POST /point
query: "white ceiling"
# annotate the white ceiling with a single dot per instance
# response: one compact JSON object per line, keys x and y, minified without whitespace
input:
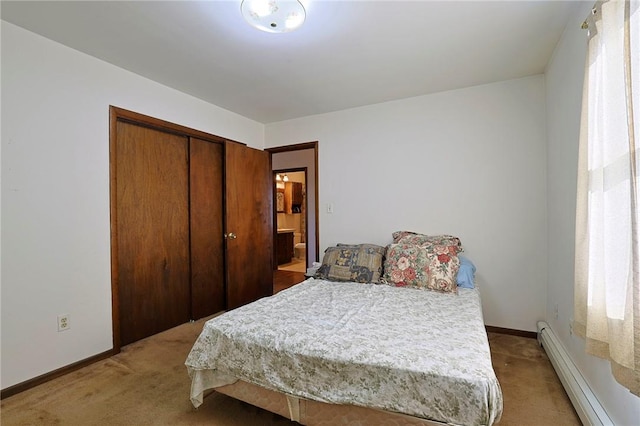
{"x":347,"y":54}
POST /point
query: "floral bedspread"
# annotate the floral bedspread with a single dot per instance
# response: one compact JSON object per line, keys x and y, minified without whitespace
{"x":412,"y":351}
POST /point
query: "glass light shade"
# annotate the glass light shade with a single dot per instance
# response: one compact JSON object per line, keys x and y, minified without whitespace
{"x":273,"y":16}
{"x":285,"y":178}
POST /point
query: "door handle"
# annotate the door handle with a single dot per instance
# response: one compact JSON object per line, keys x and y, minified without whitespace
{"x":230,"y":236}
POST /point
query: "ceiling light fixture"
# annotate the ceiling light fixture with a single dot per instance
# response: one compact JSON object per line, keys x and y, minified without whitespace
{"x":273,"y":16}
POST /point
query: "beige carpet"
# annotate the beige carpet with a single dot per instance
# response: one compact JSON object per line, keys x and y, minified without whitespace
{"x":532,"y":392}
{"x":147,"y":384}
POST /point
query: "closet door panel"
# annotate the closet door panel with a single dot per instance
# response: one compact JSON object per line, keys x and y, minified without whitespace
{"x":207,"y":241}
{"x":152,"y":231}
{"x":249,"y":217}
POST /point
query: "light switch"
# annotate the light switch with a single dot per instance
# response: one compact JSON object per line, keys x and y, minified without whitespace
{"x":330,"y":208}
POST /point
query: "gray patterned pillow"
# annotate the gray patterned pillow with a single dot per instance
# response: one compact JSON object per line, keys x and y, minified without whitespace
{"x":360,"y":263}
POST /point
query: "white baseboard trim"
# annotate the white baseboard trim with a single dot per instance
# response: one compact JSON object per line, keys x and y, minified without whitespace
{"x":584,"y":400}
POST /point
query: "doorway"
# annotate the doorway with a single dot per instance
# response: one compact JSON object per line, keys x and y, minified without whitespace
{"x":291,"y":219}
{"x":299,"y":158}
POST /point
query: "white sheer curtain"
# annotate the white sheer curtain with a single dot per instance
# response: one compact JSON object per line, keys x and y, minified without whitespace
{"x":607,"y":265}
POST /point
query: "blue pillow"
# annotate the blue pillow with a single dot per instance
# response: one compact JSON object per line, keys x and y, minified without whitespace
{"x":465,"y":277}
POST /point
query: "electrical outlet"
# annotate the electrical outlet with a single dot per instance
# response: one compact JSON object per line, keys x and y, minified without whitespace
{"x":555,"y":311}
{"x":571,"y":327}
{"x":63,"y":322}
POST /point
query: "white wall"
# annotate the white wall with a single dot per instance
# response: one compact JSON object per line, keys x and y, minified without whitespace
{"x":564,"y":79}
{"x":55,"y":193}
{"x":469,"y":162}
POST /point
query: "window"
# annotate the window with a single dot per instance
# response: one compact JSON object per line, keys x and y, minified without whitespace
{"x":607,"y":266}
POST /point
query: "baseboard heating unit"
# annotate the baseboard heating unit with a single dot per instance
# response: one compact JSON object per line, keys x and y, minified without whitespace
{"x":584,"y":400}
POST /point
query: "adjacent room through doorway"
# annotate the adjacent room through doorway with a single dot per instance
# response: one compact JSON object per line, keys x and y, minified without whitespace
{"x":295,"y":216}
{"x":291,"y":219}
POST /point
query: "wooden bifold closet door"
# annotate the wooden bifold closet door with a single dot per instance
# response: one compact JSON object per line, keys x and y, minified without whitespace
{"x":175,"y":194}
{"x":207,"y":243}
{"x":153,"y":231}
{"x":169,"y":229}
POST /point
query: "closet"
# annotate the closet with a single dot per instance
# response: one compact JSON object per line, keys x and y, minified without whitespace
{"x":191,"y":225}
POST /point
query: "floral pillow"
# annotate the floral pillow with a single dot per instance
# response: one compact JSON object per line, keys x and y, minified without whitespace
{"x":408,"y":237}
{"x":407,"y":265}
{"x":445,"y":264}
{"x":401,"y":234}
{"x":360,"y":263}
{"x":430,"y":268}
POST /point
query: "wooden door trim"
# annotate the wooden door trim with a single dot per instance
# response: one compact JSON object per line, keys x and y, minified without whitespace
{"x":116,"y":115}
{"x":300,"y":147}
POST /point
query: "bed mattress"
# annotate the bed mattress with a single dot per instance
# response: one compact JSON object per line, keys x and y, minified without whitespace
{"x":410,"y":351}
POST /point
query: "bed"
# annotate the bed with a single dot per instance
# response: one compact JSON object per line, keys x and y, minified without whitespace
{"x":327,"y":352}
